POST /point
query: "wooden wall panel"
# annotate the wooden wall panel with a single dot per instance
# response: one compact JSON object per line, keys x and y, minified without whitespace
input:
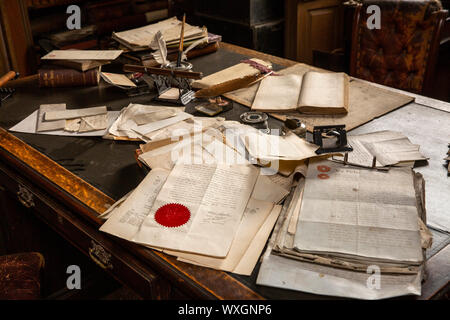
{"x":18,"y":37}
{"x":313,"y":25}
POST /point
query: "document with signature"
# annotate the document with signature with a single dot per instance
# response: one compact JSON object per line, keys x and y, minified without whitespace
{"x":203,"y":204}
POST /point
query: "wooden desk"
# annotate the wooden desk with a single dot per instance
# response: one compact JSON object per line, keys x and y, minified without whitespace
{"x":68,"y":181}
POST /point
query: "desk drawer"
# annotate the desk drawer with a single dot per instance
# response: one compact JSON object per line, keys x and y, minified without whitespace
{"x":104,"y":251}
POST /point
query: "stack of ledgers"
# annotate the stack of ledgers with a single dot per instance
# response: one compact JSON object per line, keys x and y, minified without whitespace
{"x":140,"y":39}
{"x":352,"y":232}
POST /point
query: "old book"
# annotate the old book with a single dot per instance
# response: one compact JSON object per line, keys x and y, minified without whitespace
{"x":312,"y":93}
{"x":80,"y":65}
{"x":366,"y":102}
{"x":68,"y":77}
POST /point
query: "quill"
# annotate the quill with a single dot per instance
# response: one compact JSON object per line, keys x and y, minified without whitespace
{"x":192,"y":46}
{"x":159,"y":45}
{"x":180,"y":48}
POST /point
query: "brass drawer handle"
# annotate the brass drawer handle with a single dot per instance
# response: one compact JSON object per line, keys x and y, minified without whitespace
{"x":25,"y":197}
{"x":99,"y":255}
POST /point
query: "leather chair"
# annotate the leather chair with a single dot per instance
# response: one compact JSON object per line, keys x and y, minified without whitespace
{"x":403,"y":53}
{"x":20,"y":276}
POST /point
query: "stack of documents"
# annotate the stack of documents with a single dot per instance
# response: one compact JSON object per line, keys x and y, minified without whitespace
{"x":382,"y":149}
{"x":82,"y":60}
{"x":229,"y":208}
{"x":350,"y":232}
{"x":139,"y":122}
{"x":56,"y":119}
{"x":141,"y":38}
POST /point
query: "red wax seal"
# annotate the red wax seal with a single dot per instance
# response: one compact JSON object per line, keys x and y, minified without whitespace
{"x":323,"y":168}
{"x":172,"y":215}
{"x":323,"y":176}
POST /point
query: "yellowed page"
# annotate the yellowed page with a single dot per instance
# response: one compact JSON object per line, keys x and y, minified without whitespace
{"x":237,"y":71}
{"x":117,"y":79}
{"x":278,"y":93}
{"x":322,"y":90}
{"x":124,"y":220}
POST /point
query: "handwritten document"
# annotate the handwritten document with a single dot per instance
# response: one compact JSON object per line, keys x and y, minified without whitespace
{"x":124,"y":221}
{"x":216,"y":196}
{"x":359,"y":212}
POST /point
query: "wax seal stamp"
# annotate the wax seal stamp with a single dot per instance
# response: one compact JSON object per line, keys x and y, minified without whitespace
{"x":172,"y":215}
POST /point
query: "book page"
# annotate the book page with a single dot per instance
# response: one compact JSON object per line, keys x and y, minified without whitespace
{"x":359,"y":212}
{"x":126,"y":217}
{"x":322,"y":90}
{"x":278,"y":93}
{"x":216,"y":197}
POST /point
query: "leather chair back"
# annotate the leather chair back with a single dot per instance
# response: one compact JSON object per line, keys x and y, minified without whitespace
{"x":403,"y":52}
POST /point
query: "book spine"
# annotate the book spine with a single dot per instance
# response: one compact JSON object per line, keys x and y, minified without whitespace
{"x":55,"y":78}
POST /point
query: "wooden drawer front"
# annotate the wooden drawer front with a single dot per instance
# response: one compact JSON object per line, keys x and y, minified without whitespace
{"x":104,"y":251}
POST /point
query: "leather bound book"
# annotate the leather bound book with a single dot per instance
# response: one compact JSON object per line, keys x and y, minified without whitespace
{"x":68,"y":78}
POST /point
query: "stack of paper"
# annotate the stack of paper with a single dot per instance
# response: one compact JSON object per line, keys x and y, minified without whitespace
{"x":350,"y":232}
{"x":138,"y":122}
{"x":226,"y":230}
{"x":387,"y":148}
{"x":55,"y":119}
{"x":141,"y":38}
{"x":82,"y":60}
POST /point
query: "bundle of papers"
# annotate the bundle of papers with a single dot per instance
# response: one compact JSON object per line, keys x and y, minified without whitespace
{"x":141,"y":38}
{"x":342,"y":225}
{"x":56,"y":119}
{"x":81,"y":60}
{"x":224,"y":230}
{"x":138,"y":121}
{"x":388,"y":148}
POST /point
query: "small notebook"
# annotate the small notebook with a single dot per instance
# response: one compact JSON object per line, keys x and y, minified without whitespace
{"x":312,"y":93}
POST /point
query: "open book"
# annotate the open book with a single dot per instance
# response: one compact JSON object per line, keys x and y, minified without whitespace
{"x":313,"y":93}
